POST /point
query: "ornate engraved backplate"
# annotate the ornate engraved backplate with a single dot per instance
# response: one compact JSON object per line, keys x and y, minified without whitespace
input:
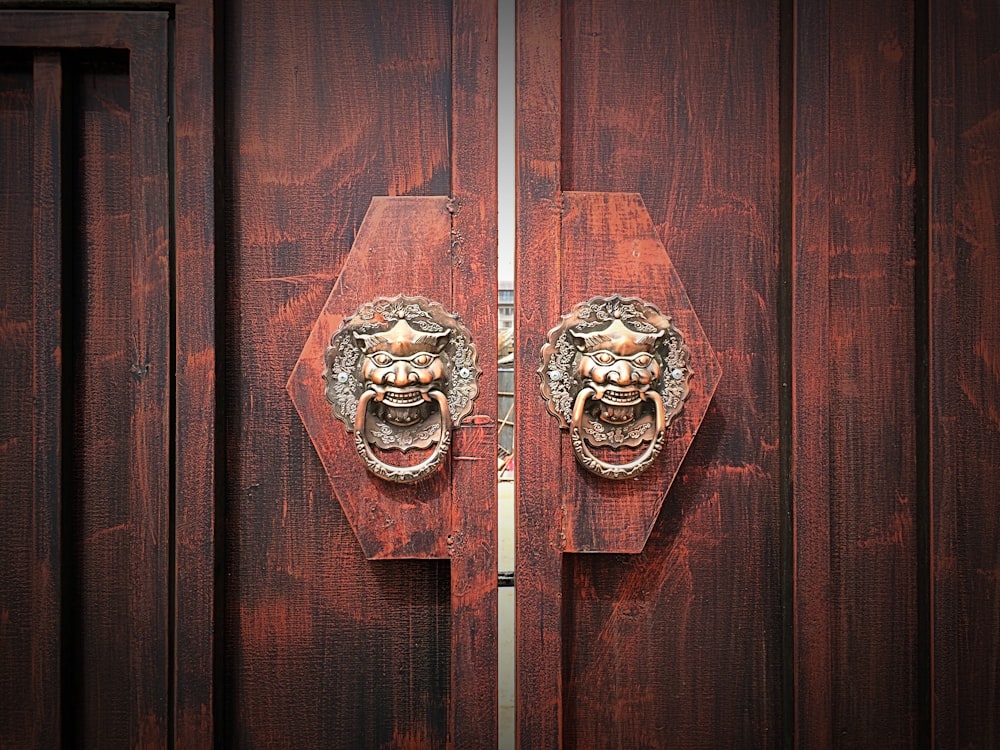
{"x":615,"y":373}
{"x":399,"y":374}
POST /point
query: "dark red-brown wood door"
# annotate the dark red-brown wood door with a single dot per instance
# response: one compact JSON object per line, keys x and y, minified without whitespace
{"x":176,"y":567}
{"x":108,"y":401}
{"x":823,"y":571}
{"x":327,"y":106}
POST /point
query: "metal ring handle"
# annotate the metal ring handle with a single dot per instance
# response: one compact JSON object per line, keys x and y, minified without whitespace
{"x":402,"y":474}
{"x":616,"y":471}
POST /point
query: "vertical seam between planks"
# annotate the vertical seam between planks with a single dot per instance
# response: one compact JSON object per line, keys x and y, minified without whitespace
{"x":223,"y":229}
{"x":922,"y":344}
{"x":172,"y":360}
{"x":70,"y":656}
{"x":786,"y":489}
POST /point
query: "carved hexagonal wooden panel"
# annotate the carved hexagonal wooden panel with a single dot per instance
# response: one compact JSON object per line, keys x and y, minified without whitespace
{"x":403,"y":247}
{"x":610,"y":250}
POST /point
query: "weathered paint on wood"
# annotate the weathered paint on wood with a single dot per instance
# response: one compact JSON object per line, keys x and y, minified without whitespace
{"x":473,"y":534}
{"x":307,"y":144}
{"x":964,"y":371}
{"x":118,"y":492}
{"x":812,"y":642}
{"x":30,"y":384}
{"x":103,"y":499}
{"x":401,"y":246}
{"x":854,"y":336}
{"x":608,"y":247}
{"x":538,"y":443}
{"x":679,"y":645}
{"x":197,"y":501}
{"x":403,"y":112}
{"x":893,"y":630}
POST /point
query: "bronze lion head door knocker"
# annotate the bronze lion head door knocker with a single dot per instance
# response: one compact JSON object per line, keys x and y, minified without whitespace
{"x":615,"y":373}
{"x":400,"y":373}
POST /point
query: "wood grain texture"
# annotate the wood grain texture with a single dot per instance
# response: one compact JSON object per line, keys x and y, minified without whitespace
{"x":812,"y":639}
{"x":118,"y":490}
{"x":117,"y":524}
{"x":30,"y":384}
{"x":151,"y":365}
{"x":473,"y":532}
{"x":196,"y":497}
{"x":965,"y":371}
{"x":538,"y":444}
{"x":854,"y":338}
{"x":327,"y":105}
{"x":72,"y":29}
{"x":680,"y":646}
{"x":47,"y":386}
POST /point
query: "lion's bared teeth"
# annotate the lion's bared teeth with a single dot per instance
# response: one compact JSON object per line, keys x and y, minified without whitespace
{"x":620,"y":398}
{"x":409,"y":398}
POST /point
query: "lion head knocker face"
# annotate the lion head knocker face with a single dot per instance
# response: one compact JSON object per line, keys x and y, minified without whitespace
{"x":402,"y":366}
{"x":620,"y":366}
{"x":615,"y":373}
{"x":400,"y":373}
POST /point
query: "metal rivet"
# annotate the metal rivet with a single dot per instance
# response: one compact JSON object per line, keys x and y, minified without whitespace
{"x":465,"y":372}
{"x":342,"y":377}
{"x":677,"y":373}
{"x":555,"y":375}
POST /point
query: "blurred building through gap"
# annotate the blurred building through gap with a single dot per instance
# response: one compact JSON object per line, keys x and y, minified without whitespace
{"x":505,"y":380}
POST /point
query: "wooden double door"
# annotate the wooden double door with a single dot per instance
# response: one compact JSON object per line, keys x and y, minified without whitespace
{"x":183,"y":184}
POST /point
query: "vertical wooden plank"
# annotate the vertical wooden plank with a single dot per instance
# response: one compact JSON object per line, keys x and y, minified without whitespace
{"x":810,"y":461}
{"x":327,"y":105}
{"x":113,"y":342}
{"x":680,"y":645}
{"x":195,"y":362}
{"x":965,"y":371}
{"x":47,"y":388}
{"x":18,"y":569}
{"x":30,"y":130}
{"x":151,"y":492}
{"x":118,"y":564}
{"x":98,"y":528}
{"x":473,"y":536}
{"x":538,"y":447}
{"x":871,"y":361}
{"x":854,"y":374}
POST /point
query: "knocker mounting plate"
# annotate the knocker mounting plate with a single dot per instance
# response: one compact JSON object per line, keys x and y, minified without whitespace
{"x":399,"y":495}
{"x":628,"y":374}
{"x":615,"y":373}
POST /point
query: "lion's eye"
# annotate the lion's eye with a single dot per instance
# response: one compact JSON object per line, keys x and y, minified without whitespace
{"x":642,"y":359}
{"x":603,"y":358}
{"x":381,"y":359}
{"x":422,"y":360}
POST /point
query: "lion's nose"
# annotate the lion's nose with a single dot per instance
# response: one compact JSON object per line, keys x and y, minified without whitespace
{"x":402,"y":374}
{"x":621,"y":373}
